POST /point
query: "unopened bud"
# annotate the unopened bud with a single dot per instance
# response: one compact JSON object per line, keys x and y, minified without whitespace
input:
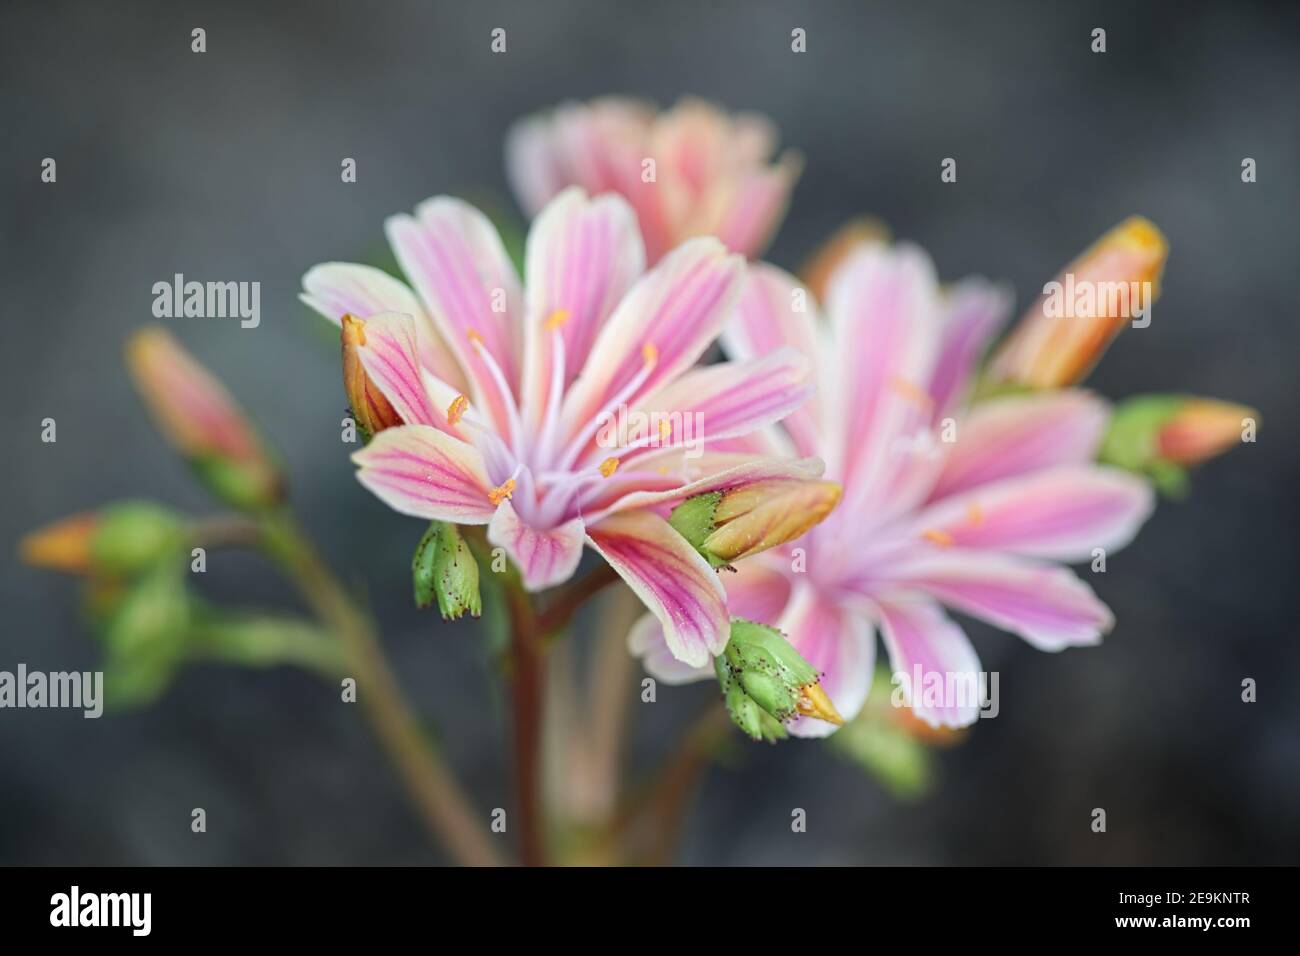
{"x":1068,"y":329}
{"x":1162,"y":435}
{"x":761,"y":673}
{"x":726,"y":526}
{"x":122,"y":539}
{"x":198,"y":416}
{"x":444,"y":570}
{"x":372,"y":411}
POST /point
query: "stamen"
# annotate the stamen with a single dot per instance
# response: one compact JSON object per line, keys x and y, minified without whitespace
{"x":557,"y":319}
{"x":665,"y":429}
{"x":942,"y":538}
{"x":650,"y":354}
{"x":502,"y":491}
{"x":975,"y":514}
{"x":456,"y":409}
{"x":551,"y":417}
{"x":499,"y":380}
{"x":609,"y":466}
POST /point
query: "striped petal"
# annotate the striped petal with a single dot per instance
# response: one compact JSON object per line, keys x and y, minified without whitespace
{"x":671,"y":578}
{"x":885,"y":313}
{"x":387,"y":353}
{"x":1045,"y":604}
{"x":424,"y":472}
{"x":1020,"y":434}
{"x":336,"y":288}
{"x":776,"y":311}
{"x":454,"y":258}
{"x":658,"y":331}
{"x":726,"y":400}
{"x":973,"y":312}
{"x":583,"y":255}
{"x":545,"y":557}
{"x":748,"y":209}
{"x":933,"y":659}
{"x":1059,"y":513}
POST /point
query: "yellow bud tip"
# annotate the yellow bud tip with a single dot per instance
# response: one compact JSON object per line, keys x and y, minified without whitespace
{"x":942,"y":538}
{"x":608,"y":466}
{"x":814,"y":702}
{"x":62,"y":546}
{"x":557,"y":319}
{"x":457,"y":409}
{"x":354,"y":330}
{"x":502,"y":492}
{"x":650,"y":353}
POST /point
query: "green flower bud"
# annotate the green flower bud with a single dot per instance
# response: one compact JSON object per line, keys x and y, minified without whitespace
{"x":444,"y":569}
{"x":122,"y":539}
{"x":766,"y":682}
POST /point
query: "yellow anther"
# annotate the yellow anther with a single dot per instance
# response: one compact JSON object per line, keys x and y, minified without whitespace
{"x":942,"y":538}
{"x":502,"y":492}
{"x":557,"y":319}
{"x":474,"y":337}
{"x":650,"y":352}
{"x":665,"y":429}
{"x":608,"y":467}
{"x":974,"y":514}
{"x":456,"y":409}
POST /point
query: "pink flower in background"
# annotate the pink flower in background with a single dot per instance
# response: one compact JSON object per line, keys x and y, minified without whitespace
{"x":975,"y":523}
{"x":691,"y":171}
{"x":522,"y":447}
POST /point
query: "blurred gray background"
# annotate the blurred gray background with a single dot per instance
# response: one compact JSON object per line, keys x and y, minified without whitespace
{"x":226,"y":166}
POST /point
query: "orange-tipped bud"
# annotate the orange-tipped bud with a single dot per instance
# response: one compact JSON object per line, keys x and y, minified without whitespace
{"x":66,"y":545}
{"x":1068,"y":329}
{"x":1203,"y":428}
{"x":370,"y":408}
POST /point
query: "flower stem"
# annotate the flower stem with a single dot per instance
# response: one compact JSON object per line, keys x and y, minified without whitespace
{"x":527,"y":678}
{"x":441,"y":803}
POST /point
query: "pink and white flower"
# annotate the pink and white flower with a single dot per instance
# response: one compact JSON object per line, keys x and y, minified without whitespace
{"x":977,"y":523}
{"x":691,"y":171}
{"x":516,"y":446}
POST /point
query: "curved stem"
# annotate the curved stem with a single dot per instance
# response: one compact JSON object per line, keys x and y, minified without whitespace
{"x":438,"y":797}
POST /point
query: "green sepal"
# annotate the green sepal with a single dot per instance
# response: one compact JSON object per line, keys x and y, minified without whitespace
{"x":444,"y":570}
{"x":247,"y":485}
{"x":694,"y":520}
{"x":132,"y":536}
